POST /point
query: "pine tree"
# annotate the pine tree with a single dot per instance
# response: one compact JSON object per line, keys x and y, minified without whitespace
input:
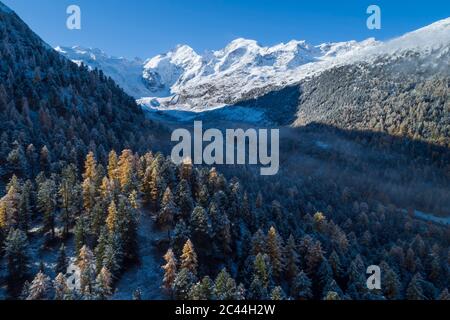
{"x":127,"y":229}
{"x":274,"y":252}
{"x":90,"y":168}
{"x":81,"y":233}
{"x":10,"y":205}
{"x":225,"y":286}
{"x":391,"y":284}
{"x":167,"y":213}
{"x":60,"y":287}
{"x":89,"y":194}
{"x":199,"y":227}
{"x":336,"y":266}
{"x":17,"y":259}
{"x":203,"y":290}
{"x":103,"y":284}
{"x":62,"y":262}
{"x":111,"y":220}
{"x":277,"y":294}
{"x":87,"y":270}
{"x":40,"y":287}
{"x":415,"y":290}
{"x":113,"y":256}
{"x":113,"y":166}
{"x":25,"y":207}
{"x":258,"y":243}
{"x":183,"y":283}
{"x":291,"y":258}
{"x":170,"y":270}
{"x":262,"y":270}
{"x":189,"y":258}
{"x":126,"y":171}
{"x":301,"y":289}
{"x":324,"y":275}
{"x":69,"y":197}
{"x":184,"y":199}
{"x":257,"y":290}
{"x":46,"y":201}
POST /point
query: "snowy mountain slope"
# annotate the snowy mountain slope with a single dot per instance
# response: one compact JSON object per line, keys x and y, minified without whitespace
{"x":185,"y":80}
{"x":126,"y":73}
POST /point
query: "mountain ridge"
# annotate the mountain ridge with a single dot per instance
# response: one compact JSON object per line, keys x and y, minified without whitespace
{"x":182,"y":79}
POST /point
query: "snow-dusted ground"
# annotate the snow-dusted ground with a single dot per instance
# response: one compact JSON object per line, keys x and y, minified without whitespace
{"x":148,"y":275}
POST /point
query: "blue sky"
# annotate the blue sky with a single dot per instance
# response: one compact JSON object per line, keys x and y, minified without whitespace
{"x":145,"y":28}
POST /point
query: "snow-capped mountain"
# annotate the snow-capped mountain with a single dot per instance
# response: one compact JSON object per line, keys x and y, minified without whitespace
{"x":185,"y":80}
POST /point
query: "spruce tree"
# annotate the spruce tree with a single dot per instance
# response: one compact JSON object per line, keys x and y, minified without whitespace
{"x":291,"y":258}
{"x":301,"y":289}
{"x":225,"y":286}
{"x":415,"y":290}
{"x":62,"y":262}
{"x":183,"y":283}
{"x":103,"y":284}
{"x":277,"y":294}
{"x":86,"y":264}
{"x":60,"y":287}
{"x":16,"y":255}
{"x":274,"y":252}
{"x":167,"y":213}
{"x":203,"y":290}
{"x":40,"y":287}
{"x":46,"y":201}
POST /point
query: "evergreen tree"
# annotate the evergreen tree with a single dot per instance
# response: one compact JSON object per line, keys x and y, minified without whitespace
{"x":415,"y":290}
{"x":391,"y":284}
{"x":46,"y":201}
{"x":17,"y":259}
{"x":291,"y":258}
{"x":69,"y":195}
{"x":103,"y":284}
{"x":113,"y":166}
{"x":40,"y":287}
{"x":189,"y":258}
{"x":301,"y":290}
{"x":170,"y":270}
{"x":184,"y":199}
{"x":199,"y":227}
{"x":258,"y":243}
{"x":111,"y":220}
{"x":203,"y":290}
{"x":225,"y":286}
{"x":86,"y":264}
{"x":60,"y":287}
{"x":274,"y":252}
{"x":62,"y":262}
{"x":257,"y":290}
{"x":167,"y":213}
{"x":277,"y":294}
{"x":81,"y":233}
{"x":261,"y":269}
{"x":183,"y":283}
